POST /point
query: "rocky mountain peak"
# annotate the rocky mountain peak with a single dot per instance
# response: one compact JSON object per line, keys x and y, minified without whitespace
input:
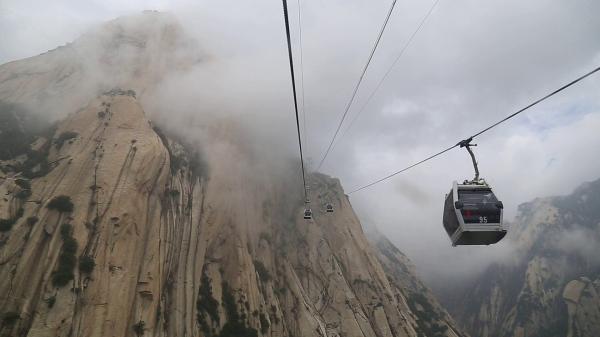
{"x":113,"y":226}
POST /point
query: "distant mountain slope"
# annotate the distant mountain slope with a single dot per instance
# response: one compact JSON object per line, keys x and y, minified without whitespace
{"x":420,"y":299}
{"x":553,"y":286}
{"x":110,"y":226}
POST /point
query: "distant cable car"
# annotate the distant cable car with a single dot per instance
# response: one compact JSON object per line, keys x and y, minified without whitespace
{"x":329,"y":208}
{"x":307,"y":211}
{"x":472,"y":213}
{"x":308,"y":214}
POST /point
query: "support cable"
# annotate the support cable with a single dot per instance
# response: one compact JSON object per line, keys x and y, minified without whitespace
{"x":468,"y":140}
{"x":362,"y":75}
{"x":392,"y":66}
{"x":291,"y":58}
{"x":302,"y":77}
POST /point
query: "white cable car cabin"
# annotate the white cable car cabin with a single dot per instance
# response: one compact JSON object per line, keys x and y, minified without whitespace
{"x":473,"y":215}
{"x":329,"y":208}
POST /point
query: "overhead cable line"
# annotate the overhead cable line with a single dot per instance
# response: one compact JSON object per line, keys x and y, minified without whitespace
{"x":538,"y":101}
{"x":404,"y":169}
{"x":468,"y":140}
{"x":387,"y":73}
{"x":362,"y":75}
{"x":302,"y":77}
{"x":289,"y":45}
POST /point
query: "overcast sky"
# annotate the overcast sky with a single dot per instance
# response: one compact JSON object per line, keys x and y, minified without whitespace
{"x":472,"y":64}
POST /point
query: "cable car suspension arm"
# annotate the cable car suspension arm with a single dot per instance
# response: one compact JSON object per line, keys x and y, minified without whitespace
{"x":467,"y":144}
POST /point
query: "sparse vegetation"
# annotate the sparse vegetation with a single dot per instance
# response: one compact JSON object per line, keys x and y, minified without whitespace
{"x":206,"y":304}
{"x":50,"y":301}
{"x":172,"y":192}
{"x":36,"y":164}
{"x":6,"y":224}
{"x":558,"y":327}
{"x":23,"y":194}
{"x":262,"y":271}
{"x":86,"y":264}
{"x":66,"y":260}
{"x":32,"y":220}
{"x":119,"y":92}
{"x":66,"y":230}
{"x":359,"y":281}
{"x":264,"y":324}
{"x":10,"y":318}
{"x":63,"y":137}
{"x":18,"y":129}
{"x":427,"y":317}
{"x":265,"y":236}
{"x":61,"y":203}
{"x":235,"y":326}
{"x":139,"y":328}
{"x":177,"y":163}
{"x":528,"y":304}
{"x":14,"y":138}
{"x":23,"y":183}
{"x":192,"y":159}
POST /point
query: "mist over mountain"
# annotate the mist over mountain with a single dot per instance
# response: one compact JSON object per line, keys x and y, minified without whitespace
{"x":151,"y":183}
{"x":122,"y":217}
{"x":134,"y":52}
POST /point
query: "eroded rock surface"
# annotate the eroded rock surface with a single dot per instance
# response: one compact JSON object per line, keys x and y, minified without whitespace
{"x":111,"y":227}
{"x":187,"y":246}
{"x":550,"y":287}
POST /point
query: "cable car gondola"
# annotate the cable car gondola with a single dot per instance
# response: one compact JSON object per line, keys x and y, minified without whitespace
{"x":308,"y":214}
{"x":307,"y":211}
{"x":329,"y":208}
{"x":472,"y":213}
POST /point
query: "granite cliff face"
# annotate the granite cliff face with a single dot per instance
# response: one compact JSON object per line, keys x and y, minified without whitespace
{"x":552,"y":286}
{"x":110,"y":226}
{"x":420,"y":299}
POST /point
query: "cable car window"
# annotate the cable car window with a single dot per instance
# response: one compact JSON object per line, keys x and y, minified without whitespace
{"x":477,"y":197}
{"x":479,"y":206}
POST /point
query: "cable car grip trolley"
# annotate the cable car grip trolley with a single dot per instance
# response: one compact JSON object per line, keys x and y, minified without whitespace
{"x":472,"y":213}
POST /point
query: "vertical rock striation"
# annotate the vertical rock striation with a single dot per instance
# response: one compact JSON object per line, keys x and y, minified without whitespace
{"x":111,"y":227}
{"x":191,"y":244}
